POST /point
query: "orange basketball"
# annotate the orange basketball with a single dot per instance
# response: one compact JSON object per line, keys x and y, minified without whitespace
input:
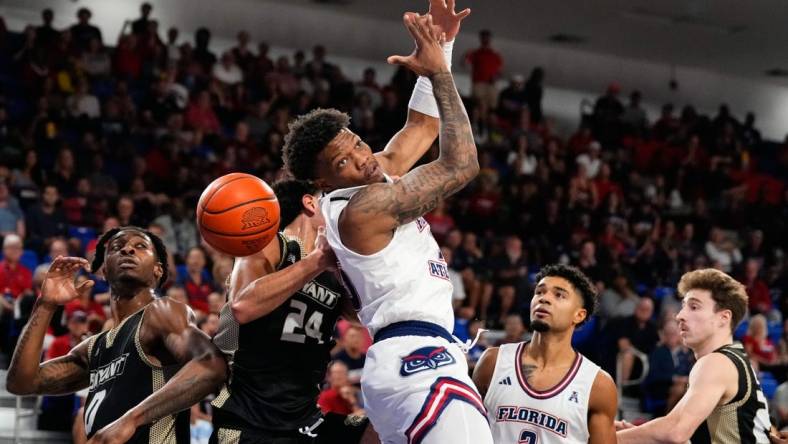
{"x":238,"y":214}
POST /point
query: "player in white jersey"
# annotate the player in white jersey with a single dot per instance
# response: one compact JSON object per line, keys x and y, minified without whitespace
{"x":415,"y":382}
{"x":543,"y":391}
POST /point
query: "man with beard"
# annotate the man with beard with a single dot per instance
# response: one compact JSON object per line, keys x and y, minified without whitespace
{"x":144,"y":373}
{"x":542,"y":390}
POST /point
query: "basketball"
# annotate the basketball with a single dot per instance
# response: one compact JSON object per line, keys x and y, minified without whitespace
{"x":238,"y":214}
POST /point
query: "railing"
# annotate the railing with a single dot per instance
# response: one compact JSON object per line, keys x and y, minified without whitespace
{"x":620,"y":382}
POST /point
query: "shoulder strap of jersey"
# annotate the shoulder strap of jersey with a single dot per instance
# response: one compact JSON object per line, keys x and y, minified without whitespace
{"x":740,"y":361}
{"x":282,"y":249}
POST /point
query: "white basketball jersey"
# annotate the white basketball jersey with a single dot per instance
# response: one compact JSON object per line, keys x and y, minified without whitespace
{"x":408,"y":280}
{"x":519,"y":414}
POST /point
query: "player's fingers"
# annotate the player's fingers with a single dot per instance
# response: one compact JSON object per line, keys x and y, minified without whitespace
{"x":464,"y":13}
{"x":434,"y":29}
{"x":410,"y":25}
{"x":450,"y":5}
{"x":421,"y":25}
{"x":398,"y":60}
{"x":85,"y":287}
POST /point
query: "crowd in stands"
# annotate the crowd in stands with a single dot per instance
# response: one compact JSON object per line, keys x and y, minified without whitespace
{"x":94,"y":137}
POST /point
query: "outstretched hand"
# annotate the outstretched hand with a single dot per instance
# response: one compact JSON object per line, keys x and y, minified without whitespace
{"x":444,"y":17}
{"x":427,"y":58}
{"x":59,"y":284}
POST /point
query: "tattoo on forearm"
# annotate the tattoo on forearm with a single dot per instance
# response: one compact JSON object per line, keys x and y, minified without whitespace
{"x":422,"y":188}
{"x":66,"y":375}
{"x":23,"y":340}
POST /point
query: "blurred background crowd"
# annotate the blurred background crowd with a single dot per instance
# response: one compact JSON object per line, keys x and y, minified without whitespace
{"x":97,"y":133}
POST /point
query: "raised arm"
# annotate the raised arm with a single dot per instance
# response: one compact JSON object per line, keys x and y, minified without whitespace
{"x":421,"y":127}
{"x":66,"y":374}
{"x":168,"y":329}
{"x":367,"y":223}
{"x":256,"y":288}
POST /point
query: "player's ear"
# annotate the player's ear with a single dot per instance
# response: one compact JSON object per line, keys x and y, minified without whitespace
{"x":725,"y":316}
{"x":309,"y":203}
{"x":580,"y":316}
{"x":158,"y":271}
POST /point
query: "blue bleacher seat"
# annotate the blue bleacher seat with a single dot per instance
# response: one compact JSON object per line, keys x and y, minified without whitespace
{"x":741,"y":330}
{"x":775,"y":332}
{"x":768,"y":384}
{"x":585,"y":332}
{"x":29,"y":259}
{"x":84,"y":234}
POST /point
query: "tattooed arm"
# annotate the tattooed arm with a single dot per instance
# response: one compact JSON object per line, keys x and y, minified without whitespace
{"x":59,"y":376}
{"x":66,"y":374}
{"x":169,"y":336}
{"x":420,"y":130}
{"x":370,"y":218}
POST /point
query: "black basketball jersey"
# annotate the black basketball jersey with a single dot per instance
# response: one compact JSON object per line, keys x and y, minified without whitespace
{"x":121,"y":377}
{"x":278,"y":361}
{"x":745,"y":418}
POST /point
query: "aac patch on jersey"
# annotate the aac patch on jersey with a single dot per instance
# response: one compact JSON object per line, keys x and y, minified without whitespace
{"x":425,"y":358}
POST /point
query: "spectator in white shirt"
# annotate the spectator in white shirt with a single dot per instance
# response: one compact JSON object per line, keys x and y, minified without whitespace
{"x":591,"y":160}
{"x":522,"y":161}
{"x":83,"y":103}
{"x":227,"y":71}
{"x":722,"y":250}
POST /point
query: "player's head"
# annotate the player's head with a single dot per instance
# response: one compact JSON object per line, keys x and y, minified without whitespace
{"x":297,"y":197}
{"x":320,"y":147}
{"x":131,"y":256}
{"x":564,"y":298}
{"x":713,"y":304}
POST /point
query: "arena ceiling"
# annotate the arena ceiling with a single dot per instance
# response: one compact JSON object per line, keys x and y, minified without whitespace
{"x":727,"y":36}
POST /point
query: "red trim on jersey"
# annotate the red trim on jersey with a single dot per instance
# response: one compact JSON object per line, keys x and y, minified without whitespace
{"x":556,"y":389}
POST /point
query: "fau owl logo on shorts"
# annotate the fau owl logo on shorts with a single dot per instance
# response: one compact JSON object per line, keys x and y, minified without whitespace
{"x":426,"y":358}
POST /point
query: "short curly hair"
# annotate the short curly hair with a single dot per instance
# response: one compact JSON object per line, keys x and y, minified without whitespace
{"x":579,"y":280}
{"x":727,"y":292}
{"x":307,"y":136}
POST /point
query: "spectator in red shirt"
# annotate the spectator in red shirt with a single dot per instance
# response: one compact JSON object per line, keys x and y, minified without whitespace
{"x":486,"y":65}
{"x":200,"y":114}
{"x":759,"y":347}
{"x":605,"y":185}
{"x":127,"y":63}
{"x":341,"y":397}
{"x":15,"y":281}
{"x":15,"y":278}
{"x":197,"y":280}
{"x":760,"y":301}
{"x":77,"y":331}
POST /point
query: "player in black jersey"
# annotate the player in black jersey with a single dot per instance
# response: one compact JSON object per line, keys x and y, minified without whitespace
{"x":144,"y":373}
{"x":724,"y":403}
{"x":276,"y":332}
